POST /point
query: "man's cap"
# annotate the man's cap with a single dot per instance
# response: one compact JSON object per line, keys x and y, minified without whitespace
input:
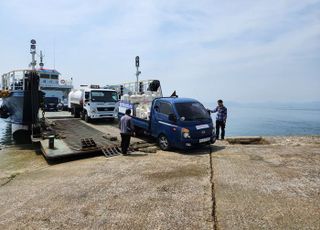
{"x":128,"y":111}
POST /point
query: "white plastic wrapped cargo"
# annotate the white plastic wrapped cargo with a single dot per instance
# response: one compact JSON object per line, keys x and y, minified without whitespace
{"x":149,"y":97}
{"x":125,"y":97}
{"x":139,"y":99}
{"x":133,"y":98}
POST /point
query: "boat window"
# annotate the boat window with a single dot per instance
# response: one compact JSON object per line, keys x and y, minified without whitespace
{"x":54,"y":77}
{"x":44,"y":75}
{"x":104,"y":96}
{"x":192,"y":111}
{"x":165,"y":108}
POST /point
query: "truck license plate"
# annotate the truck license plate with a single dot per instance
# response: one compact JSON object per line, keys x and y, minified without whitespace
{"x":204,"y":140}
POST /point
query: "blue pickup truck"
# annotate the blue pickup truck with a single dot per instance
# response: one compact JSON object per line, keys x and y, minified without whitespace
{"x":176,"y":123}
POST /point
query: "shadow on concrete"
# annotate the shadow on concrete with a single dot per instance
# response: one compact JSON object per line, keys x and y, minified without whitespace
{"x":106,"y":121}
{"x":146,"y":138}
{"x":136,"y":154}
{"x":25,"y":146}
{"x":203,"y":150}
{"x":65,"y":159}
{"x":215,"y":148}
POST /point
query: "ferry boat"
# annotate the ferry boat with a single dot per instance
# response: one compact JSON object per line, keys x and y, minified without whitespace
{"x":23,"y":91}
{"x":21,"y":97}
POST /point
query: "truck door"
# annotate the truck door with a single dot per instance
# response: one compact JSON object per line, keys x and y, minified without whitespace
{"x":160,"y":120}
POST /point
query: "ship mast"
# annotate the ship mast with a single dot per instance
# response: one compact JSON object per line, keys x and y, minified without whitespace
{"x":41,"y":60}
{"x":33,"y":53}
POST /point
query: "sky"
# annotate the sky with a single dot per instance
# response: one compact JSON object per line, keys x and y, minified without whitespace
{"x":242,"y":51}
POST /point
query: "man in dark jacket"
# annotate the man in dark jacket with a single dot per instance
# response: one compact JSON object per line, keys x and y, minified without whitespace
{"x":126,"y":130}
{"x":221,"y":119}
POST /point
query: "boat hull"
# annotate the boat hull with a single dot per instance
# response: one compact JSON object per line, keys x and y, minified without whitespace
{"x":21,"y":107}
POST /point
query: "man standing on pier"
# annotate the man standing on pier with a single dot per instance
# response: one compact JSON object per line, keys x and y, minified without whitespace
{"x":126,"y":130}
{"x":221,"y":118}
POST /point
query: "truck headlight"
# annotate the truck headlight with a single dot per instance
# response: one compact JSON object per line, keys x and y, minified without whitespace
{"x":185,"y":133}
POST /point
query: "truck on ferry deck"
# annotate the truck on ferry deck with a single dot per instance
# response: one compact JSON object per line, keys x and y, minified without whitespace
{"x":92,"y":102}
{"x":51,"y":103}
{"x":175,"y":122}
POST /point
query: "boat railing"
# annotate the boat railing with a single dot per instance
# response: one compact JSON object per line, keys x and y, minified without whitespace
{"x":14,"y":80}
{"x":130,"y":87}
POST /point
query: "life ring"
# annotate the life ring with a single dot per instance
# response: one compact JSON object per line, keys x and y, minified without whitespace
{"x":62,"y":81}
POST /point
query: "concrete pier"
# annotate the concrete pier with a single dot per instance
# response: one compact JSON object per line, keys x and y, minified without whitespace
{"x":227,"y":186}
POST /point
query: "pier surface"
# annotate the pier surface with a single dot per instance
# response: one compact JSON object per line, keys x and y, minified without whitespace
{"x":275,"y":185}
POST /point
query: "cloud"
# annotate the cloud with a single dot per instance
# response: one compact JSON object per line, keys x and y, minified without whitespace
{"x":54,"y":12}
{"x":245,"y":46}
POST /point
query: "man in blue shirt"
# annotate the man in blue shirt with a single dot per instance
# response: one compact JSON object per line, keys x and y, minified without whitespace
{"x":221,"y":118}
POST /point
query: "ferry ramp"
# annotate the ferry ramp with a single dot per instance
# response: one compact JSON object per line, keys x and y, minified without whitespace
{"x":74,"y":137}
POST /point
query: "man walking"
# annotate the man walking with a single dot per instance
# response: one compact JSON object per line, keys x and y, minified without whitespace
{"x":126,"y":130}
{"x":221,"y":119}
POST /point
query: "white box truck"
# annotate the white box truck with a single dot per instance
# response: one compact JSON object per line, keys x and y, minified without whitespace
{"x":92,"y":102}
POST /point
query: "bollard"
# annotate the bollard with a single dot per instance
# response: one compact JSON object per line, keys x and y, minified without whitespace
{"x":51,"y":142}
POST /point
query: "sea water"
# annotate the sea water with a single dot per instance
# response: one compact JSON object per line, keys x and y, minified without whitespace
{"x":5,"y":132}
{"x":247,"y":120}
{"x":271,"y":120}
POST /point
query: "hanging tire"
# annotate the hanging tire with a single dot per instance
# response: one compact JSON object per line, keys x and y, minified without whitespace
{"x":163,"y":142}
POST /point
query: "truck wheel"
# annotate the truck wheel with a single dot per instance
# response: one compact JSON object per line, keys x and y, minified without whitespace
{"x":86,"y":117}
{"x":82,"y":115}
{"x":163,"y":142}
{"x":74,"y":112}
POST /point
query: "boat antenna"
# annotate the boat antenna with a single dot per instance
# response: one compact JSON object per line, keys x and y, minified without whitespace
{"x":54,"y":53}
{"x":33,"y":53}
{"x":137,"y":73}
{"x":41,"y":60}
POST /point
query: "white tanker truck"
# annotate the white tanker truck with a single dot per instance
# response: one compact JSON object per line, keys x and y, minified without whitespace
{"x":92,"y":102}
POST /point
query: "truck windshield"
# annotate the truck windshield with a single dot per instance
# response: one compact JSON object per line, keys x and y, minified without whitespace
{"x":51,"y":100}
{"x":191,"y":111}
{"x":104,"y":96}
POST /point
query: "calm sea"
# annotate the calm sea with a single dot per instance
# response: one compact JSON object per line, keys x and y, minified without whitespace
{"x":248,"y":120}
{"x":272,"y":120}
{"x":5,"y":133}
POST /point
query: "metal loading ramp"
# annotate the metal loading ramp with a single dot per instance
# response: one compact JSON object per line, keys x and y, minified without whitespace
{"x":74,"y":137}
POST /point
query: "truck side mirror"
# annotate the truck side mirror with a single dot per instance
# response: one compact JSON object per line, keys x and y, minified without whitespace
{"x":172,"y":117}
{"x":156,"y":108}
